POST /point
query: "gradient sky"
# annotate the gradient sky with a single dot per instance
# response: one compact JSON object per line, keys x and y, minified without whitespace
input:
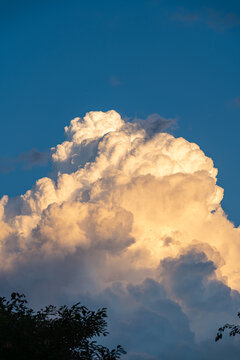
{"x":127,"y":217}
{"x":60,"y":59}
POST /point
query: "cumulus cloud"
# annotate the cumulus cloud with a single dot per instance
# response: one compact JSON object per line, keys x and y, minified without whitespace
{"x":130,"y":219}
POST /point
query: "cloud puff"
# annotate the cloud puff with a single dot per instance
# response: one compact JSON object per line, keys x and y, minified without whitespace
{"x":131,"y":216}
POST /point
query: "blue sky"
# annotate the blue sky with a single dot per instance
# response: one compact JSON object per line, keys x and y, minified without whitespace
{"x":60,"y":59}
{"x":138,"y":230}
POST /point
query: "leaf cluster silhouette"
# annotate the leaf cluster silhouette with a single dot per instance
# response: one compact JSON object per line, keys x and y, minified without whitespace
{"x":233,"y":330}
{"x":52,"y":333}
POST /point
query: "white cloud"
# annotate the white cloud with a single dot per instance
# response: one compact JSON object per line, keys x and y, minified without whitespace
{"x":122,"y":200}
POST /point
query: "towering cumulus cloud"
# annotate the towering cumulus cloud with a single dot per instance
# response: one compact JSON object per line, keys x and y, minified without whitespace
{"x":129,"y":219}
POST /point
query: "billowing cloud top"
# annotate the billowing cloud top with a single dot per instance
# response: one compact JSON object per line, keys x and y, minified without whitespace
{"x":133,"y":215}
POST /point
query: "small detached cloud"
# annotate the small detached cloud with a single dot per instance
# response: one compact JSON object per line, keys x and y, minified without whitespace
{"x":114,"y":81}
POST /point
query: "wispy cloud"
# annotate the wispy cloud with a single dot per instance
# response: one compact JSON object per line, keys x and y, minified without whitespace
{"x":219,"y":21}
{"x":25,"y":160}
{"x":156,"y":123}
{"x":211,"y":18}
{"x":186,"y":17}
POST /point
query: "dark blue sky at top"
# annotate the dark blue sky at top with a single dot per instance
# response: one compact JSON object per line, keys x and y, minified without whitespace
{"x":60,"y":59}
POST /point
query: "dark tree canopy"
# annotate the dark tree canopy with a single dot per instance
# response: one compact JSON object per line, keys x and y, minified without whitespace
{"x":233,"y":330}
{"x":53,"y":333}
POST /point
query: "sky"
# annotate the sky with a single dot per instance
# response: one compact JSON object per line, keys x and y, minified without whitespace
{"x":125,"y":202}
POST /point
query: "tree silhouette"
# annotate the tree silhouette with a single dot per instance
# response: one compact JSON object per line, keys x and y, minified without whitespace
{"x":52,"y":333}
{"x":233,"y":330}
